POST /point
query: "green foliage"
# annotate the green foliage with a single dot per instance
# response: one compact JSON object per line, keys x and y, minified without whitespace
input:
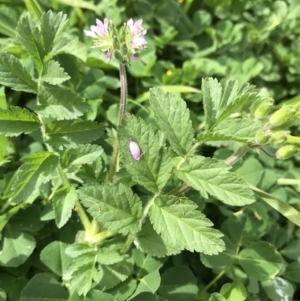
{"x":183,"y":227}
{"x":116,"y":207}
{"x":14,"y":75}
{"x":16,"y":121}
{"x":36,"y":169}
{"x":212,"y":176}
{"x":207,"y":212}
{"x":174,"y":120}
{"x":154,"y":168}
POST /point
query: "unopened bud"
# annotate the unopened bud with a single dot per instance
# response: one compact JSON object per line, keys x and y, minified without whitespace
{"x":116,"y":43}
{"x":283,"y":118}
{"x":287,"y":151}
{"x":134,"y":150}
{"x":124,"y":49}
{"x":261,"y":137}
{"x":279,"y":138}
{"x":259,"y":103}
{"x":263,"y":109}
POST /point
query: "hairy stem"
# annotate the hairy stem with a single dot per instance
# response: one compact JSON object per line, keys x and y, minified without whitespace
{"x":238,"y":155}
{"x":122,"y":111}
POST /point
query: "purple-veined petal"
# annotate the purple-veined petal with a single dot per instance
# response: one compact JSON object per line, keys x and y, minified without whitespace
{"x":134,"y":150}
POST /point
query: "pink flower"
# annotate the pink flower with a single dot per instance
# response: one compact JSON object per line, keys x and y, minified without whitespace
{"x":134,"y":150}
{"x":137,"y":34}
{"x":101,"y":35}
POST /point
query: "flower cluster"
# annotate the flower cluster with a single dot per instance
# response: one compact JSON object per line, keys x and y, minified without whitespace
{"x":122,"y":44}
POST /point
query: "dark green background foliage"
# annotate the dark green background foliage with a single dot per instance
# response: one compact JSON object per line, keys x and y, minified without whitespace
{"x":177,"y":251}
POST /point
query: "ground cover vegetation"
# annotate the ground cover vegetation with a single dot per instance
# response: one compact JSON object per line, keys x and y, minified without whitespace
{"x":149,"y":150}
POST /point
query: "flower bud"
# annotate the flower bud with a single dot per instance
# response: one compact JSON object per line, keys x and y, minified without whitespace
{"x":261,"y":137}
{"x":279,"y":138}
{"x":286,"y":151}
{"x":134,"y":150}
{"x":283,"y":118}
{"x":259,"y":103}
{"x":263,"y":109}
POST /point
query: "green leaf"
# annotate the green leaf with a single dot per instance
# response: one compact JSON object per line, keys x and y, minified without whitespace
{"x":145,"y":264}
{"x":153,"y":170}
{"x":241,"y":224}
{"x":73,"y":133}
{"x":55,"y":258}
{"x":235,"y":291}
{"x":212,"y":176}
{"x":81,"y":272}
{"x":29,"y":37}
{"x":291,"y":251}
{"x":285,"y":209}
{"x":221,"y":260}
{"x":211,"y":92}
{"x":36,"y":169}
{"x":60,"y":103}
{"x":14,"y":75}
{"x":93,"y":84}
{"x":251,"y":170}
{"x":217,"y":297}
{"x":173,"y":118}
{"x":15,"y":121}
{"x":54,"y":74}
{"x":93,"y":295}
{"x":28,"y":219}
{"x":64,"y":201}
{"x":112,"y":275}
{"x":115,"y":207}
{"x":220,"y":103}
{"x":245,"y":95}
{"x":279,"y":289}
{"x":8,"y":21}
{"x":123,"y":290}
{"x":16,"y":246}
{"x":178,"y":283}
{"x":260,"y":260}
{"x":181,"y":225}
{"x":292,"y":271}
{"x":241,"y":130}
{"x":149,"y":283}
{"x":152,"y":243}
{"x":51,"y":29}
{"x":85,"y":154}
{"x":106,"y":256}
{"x":44,"y":287}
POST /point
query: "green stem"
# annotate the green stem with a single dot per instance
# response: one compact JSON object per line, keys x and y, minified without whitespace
{"x":293,"y":140}
{"x":218,"y":276}
{"x":122,"y":111}
{"x":238,"y":155}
